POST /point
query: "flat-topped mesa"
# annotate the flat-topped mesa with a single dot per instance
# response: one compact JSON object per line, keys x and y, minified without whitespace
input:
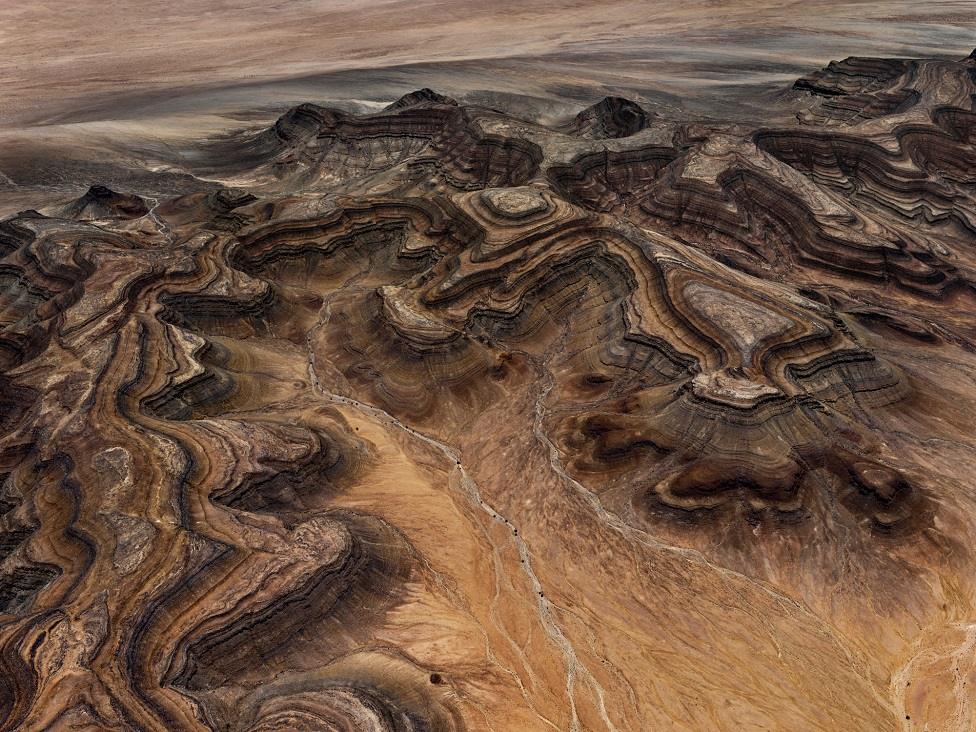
{"x":420,"y":97}
{"x":515,"y":203}
{"x":101,"y":202}
{"x":611,"y":118}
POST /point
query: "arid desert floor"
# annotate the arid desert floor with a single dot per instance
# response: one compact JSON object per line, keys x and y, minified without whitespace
{"x":453,"y":366}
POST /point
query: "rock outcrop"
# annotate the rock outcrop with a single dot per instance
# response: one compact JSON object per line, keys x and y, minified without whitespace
{"x":100,"y":202}
{"x":611,"y":117}
{"x":437,"y":419}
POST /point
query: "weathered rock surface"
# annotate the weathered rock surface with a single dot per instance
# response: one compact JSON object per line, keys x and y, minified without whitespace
{"x":437,"y":419}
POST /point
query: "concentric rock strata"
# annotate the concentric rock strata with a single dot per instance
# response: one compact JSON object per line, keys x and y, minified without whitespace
{"x":438,"y":419}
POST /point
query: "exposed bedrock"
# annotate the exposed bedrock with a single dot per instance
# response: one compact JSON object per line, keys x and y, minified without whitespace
{"x":100,"y":202}
{"x":435,"y":418}
{"x":856,"y":212}
{"x":611,"y":117}
{"x":214,"y":210}
{"x":607,"y":179}
{"x":422,"y":134}
{"x":859,"y":88}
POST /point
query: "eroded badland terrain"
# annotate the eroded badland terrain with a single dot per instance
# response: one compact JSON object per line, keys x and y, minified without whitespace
{"x":442,"y":417}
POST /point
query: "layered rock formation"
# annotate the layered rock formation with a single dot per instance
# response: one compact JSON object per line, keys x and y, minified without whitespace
{"x":438,"y":419}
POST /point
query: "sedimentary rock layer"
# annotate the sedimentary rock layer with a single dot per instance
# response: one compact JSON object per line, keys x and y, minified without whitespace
{"x":438,"y":419}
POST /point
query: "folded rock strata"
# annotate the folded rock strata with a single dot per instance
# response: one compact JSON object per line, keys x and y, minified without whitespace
{"x":438,"y":419}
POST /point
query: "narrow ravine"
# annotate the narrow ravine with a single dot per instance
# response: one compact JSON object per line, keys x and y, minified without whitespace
{"x":161,"y":226}
{"x":471,"y":491}
{"x":640,"y":536}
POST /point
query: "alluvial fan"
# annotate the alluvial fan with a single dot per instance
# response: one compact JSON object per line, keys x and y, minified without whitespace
{"x":439,"y":419}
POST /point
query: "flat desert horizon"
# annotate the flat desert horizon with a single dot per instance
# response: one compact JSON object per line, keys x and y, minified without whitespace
{"x":68,"y":61}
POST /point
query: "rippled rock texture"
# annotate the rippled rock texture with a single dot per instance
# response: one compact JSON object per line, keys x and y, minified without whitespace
{"x":437,"y":419}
